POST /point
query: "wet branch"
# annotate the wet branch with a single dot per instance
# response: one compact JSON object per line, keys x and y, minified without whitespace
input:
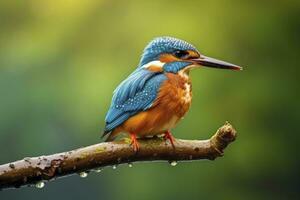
{"x":30,"y":171}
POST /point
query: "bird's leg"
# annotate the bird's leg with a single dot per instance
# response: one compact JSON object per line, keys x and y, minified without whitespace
{"x":168,"y":136}
{"x":134,"y":142}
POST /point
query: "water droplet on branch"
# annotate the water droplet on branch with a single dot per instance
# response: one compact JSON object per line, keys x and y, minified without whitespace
{"x":98,"y":170}
{"x":173,"y":163}
{"x":11,"y":165}
{"x":83,"y":174}
{"x":40,"y":184}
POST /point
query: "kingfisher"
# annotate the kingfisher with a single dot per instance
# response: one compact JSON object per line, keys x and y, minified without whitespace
{"x":158,"y":93}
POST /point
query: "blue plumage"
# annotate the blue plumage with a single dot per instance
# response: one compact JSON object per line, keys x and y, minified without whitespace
{"x":164,"y":58}
{"x":174,"y":67}
{"x":138,"y":92}
{"x":134,"y":94}
{"x":163,"y":45}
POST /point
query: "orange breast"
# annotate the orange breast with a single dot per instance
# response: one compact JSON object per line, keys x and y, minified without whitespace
{"x":173,"y":101}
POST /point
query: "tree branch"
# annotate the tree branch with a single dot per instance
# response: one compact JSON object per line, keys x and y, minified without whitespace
{"x":31,"y":171}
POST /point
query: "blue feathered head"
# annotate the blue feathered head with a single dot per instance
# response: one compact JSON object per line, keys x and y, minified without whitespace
{"x":163,"y":45}
{"x":177,"y":54}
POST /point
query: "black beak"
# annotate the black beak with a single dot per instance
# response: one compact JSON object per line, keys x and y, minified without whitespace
{"x":211,"y":62}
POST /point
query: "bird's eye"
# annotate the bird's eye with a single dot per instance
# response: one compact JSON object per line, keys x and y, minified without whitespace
{"x":181,"y":54}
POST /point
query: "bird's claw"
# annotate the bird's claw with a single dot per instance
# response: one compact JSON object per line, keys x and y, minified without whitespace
{"x":134,"y":142}
{"x":169,"y":136}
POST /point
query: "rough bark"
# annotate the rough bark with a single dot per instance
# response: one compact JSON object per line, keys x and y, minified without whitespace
{"x":30,"y":171}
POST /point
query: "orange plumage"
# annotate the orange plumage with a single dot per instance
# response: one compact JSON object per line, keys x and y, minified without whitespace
{"x":172,"y":103}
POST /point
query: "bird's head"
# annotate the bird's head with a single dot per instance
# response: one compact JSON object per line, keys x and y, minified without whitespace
{"x":173,"y":55}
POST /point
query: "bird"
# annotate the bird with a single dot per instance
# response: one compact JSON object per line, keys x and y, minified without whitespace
{"x":158,"y":93}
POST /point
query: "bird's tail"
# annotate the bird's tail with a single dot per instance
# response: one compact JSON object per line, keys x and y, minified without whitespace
{"x":111,"y":135}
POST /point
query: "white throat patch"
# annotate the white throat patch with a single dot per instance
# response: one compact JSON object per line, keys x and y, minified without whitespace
{"x":187,"y":98}
{"x":184,"y":74}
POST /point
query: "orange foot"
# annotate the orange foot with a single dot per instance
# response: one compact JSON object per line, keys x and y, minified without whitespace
{"x":134,"y":142}
{"x":168,"y":136}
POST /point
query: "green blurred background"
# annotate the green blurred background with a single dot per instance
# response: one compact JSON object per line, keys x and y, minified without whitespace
{"x":61,"y":60}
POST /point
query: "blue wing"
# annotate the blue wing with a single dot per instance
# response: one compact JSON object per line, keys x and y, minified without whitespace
{"x":134,"y":94}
